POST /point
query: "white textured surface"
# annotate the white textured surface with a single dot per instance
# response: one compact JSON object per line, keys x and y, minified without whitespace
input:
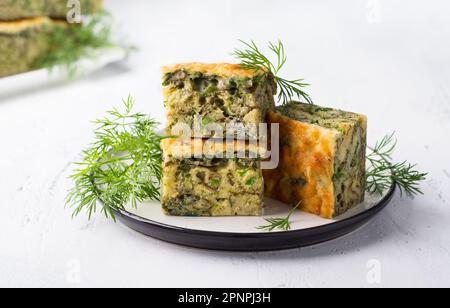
{"x":390,"y":62}
{"x":40,"y":78}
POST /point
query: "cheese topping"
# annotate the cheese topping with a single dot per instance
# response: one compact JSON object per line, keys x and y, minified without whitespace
{"x":306,"y":166}
{"x":224,"y":70}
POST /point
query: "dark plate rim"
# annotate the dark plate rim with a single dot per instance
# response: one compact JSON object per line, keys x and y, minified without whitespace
{"x":261,"y":235}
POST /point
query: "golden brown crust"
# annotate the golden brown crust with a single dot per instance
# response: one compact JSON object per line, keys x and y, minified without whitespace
{"x":224,"y":70}
{"x":179,"y":148}
{"x":12,"y":27}
{"x":307,"y":157}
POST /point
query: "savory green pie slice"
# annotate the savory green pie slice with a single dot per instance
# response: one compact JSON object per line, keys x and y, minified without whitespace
{"x":212,"y":183}
{"x":18,"y":9}
{"x":322,"y":159}
{"x":21,"y":43}
{"x":198,"y":94}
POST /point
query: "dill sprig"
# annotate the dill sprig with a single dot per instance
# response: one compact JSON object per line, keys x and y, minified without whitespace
{"x":283,"y":224}
{"x":382,"y":173}
{"x":252,"y":58}
{"x":69,"y":43}
{"x":122,"y":166}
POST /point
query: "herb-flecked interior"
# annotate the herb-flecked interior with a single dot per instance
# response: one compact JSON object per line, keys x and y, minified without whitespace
{"x":213,"y":99}
{"x":212,"y":187}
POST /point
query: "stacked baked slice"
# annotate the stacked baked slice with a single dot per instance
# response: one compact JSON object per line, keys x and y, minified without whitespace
{"x":26,"y":28}
{"x":211,"y":184}
{"x":221,"y":176}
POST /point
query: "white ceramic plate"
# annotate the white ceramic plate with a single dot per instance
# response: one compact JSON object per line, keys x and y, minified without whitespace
{"x":43,"y":77}
{"x":242,"y":233}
